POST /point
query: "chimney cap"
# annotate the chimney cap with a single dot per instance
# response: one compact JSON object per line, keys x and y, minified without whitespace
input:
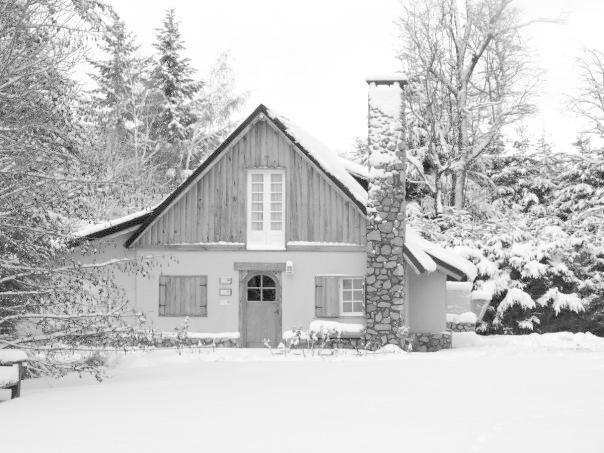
{"x":387,"y":79}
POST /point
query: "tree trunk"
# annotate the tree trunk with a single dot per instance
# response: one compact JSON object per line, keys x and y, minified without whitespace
{"x":439,"y":201}
{"x":460,"y":189}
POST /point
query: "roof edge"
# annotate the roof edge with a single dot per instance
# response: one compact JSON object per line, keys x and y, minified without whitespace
{"x":261,"y":109}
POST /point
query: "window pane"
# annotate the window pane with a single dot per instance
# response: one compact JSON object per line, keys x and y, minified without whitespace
{"x":276,"y":188}
{"x":358,"y":295}
{"x":257,"y":216}
{"x":358,"y":307}
{"x":257,"y":207}
{"x":346,"y":295}
{"x":357,"y":283}
{"x":276,"y":197}
{"x":268,"y":294}
{"x":257,"y":177}
{"x":257,"y":197}
{"x":347,"y":283}
{"x":268,"y":282}
{"x":276,"y":177}
{"x":347,"y":307}
{"x":275,"y":216}
{"x":254,"y":282}
{"x":253,"y":294}
{"x":257,"y":226}
{"x":276,"y":207}
{"x":276,"y":226}
{"x":258,"y":188}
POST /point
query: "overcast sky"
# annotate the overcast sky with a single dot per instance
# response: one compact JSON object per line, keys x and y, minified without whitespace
{"x":308,"y":59}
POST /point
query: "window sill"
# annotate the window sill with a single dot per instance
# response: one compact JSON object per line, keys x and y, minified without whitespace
{"x":264,"y":248}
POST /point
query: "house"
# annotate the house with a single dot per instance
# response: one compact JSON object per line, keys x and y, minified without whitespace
{"x":270,"y":233}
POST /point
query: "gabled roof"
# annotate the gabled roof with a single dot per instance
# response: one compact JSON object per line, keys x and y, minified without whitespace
{"x":423,"y":256}
{"x":318,"y":153}
{"x":114,"y":226}
{"x":432,"y":256}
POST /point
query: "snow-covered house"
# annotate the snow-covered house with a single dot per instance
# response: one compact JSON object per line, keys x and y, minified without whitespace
{"x":267,"y":235}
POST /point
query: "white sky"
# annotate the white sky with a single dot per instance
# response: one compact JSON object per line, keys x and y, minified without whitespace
{"x":308,"y":59}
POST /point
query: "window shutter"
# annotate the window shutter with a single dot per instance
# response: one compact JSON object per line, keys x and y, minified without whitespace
{"x":162,"y":295}
{"x":183,"y":295}
{"x":327,"y":297}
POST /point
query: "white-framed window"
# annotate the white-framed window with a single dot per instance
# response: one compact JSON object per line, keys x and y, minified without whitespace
{"x":266,"y":209}
{"x":352,"y":296}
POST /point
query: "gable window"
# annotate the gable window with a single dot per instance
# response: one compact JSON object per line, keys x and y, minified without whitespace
{"x":265,"y":210}
{"x":352,"y":296}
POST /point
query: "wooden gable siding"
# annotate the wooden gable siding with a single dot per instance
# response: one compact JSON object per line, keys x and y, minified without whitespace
{"x":214,"y":208}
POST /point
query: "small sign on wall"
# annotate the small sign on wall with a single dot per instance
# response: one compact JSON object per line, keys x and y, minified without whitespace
{"x":227,"y":281}
{"x":226,"y":292}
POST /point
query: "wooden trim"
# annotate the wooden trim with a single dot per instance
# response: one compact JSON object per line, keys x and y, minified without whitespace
{"x":325,"y":248}
{"x":260,"y":113}
{"x":113,"y":230}
{"x":259,"y":267}
{"x":413,"y":261}
{"x":448,"y":269}
{"x":196,"y":247}
{"x":280,"y":128}
{"x":247,"y":124}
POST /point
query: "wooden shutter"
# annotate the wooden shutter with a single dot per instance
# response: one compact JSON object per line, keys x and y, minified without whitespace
{"x":327,"y":296}
{"x":183,"y":295}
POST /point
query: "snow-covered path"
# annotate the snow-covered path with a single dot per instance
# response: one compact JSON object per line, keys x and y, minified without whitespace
{"x":529,"y":394}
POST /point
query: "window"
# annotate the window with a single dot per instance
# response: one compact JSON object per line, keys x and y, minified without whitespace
{"x":183,"y":295}
{"x":266,"y":210}
{"x":261,"y":288}
{"x":352,"y":296}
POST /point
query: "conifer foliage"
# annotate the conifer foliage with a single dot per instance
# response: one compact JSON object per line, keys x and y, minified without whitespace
{"x":173,"y":77}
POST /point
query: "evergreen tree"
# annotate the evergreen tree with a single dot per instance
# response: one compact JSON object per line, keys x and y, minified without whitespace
{"x":173,"y":77}
{"x":123,"y":112}
{"x":114,"y":75}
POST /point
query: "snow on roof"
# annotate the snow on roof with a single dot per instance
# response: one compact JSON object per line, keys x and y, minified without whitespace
{"x":98,"y":227}
{"x":386,"y":77}
{"x":327,"y":159}
{"x":442,"y":254}
{"x":416,"y":249}
{"x":355,"y":168}
{"x":8,"y":356}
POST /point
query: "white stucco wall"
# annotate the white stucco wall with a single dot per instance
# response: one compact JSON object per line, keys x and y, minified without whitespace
{"x":427,"y":293}
{"x":223,"y":312}
{"x":427,"y":302}
{"x":298,"y":307}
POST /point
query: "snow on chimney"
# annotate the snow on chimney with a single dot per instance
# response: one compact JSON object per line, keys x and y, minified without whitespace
{"x":385,"y":274}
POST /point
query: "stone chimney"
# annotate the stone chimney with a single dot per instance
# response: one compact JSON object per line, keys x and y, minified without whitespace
{"x":385,"y":274}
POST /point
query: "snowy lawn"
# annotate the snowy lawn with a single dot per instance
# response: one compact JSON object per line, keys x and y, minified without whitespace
{"x":497,"y":394}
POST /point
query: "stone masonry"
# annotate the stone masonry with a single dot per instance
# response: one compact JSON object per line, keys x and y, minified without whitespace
{"x":430,"y":342}
{"x":385,"y":273}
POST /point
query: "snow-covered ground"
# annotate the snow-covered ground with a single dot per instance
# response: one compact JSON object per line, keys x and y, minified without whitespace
{"x":497,"y":394}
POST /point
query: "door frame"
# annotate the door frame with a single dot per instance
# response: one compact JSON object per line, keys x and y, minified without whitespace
{"x":244,"y":277}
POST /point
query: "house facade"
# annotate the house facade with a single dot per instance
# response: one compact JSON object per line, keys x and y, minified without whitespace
{"x":269,"y":234}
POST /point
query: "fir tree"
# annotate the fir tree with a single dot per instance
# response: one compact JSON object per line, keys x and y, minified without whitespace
{"x":114,"y":75}
{"x":173,"y":77}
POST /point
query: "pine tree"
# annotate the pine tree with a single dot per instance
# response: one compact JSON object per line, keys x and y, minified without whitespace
{"x":173,"y":77}
{"x":123,"y":112}
{"x":114,"y":75}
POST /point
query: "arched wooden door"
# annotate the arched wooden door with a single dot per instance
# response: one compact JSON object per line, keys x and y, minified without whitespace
{"x":260,"y":309}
